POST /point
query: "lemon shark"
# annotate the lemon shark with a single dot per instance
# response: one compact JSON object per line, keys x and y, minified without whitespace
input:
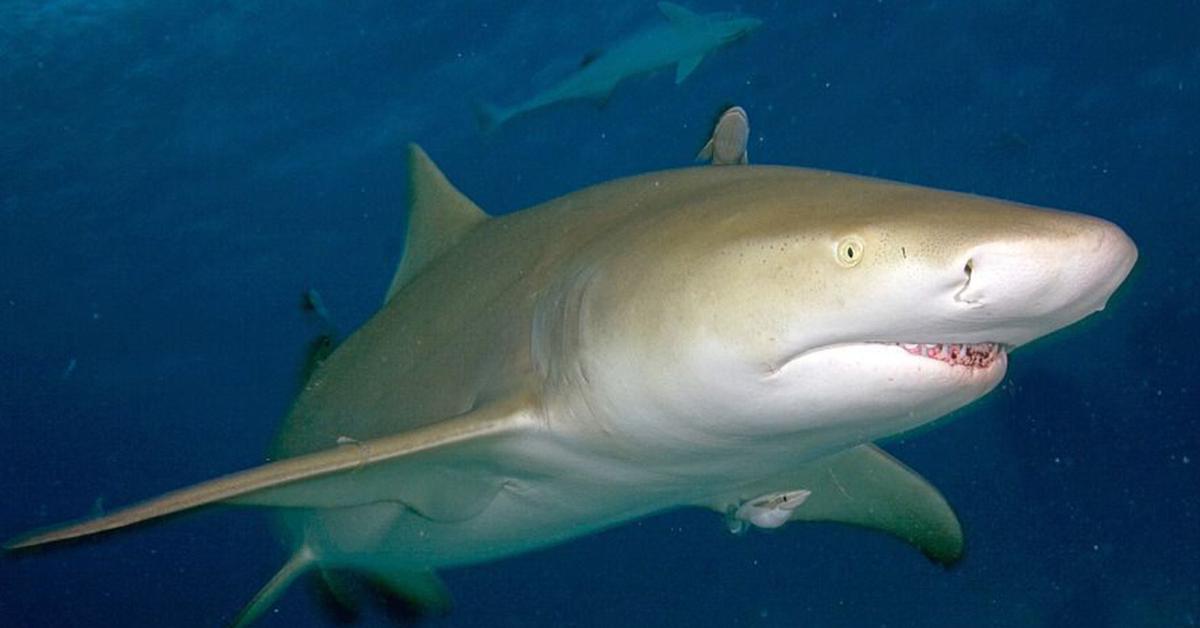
{"x":683,"y":41}
{"x":732,"y":339}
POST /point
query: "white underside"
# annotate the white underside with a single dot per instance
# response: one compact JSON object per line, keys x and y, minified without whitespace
{"x":558,"y":494}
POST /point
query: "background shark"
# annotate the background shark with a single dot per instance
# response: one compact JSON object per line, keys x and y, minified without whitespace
{"x":683,"y":42}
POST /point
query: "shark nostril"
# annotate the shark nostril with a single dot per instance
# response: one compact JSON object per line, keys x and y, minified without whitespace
{"x":968,"y":268}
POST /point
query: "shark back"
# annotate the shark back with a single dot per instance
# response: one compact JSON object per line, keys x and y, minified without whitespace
{"x":457,"y":334}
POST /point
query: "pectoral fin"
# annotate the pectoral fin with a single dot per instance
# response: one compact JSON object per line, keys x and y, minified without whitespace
{"x":318,"y":479}
{"x":866,"y":487}
{"x":449,"y":486}
{"x":686,"y":67}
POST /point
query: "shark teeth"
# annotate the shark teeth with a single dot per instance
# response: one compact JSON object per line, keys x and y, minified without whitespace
{"x":974,"y":355}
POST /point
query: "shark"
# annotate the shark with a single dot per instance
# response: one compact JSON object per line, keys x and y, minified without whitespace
{"x":729,"y":339}
{"x":683,"y":41}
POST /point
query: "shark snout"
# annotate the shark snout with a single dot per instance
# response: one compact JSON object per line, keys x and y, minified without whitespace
{"x":741,"y":27}
{"x":1035,"y":284}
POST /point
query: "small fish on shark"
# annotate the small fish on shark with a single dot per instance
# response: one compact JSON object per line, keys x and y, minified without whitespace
{"x":728,"y":339}
{"x":727,"y":145}
{"x":684,"y":41}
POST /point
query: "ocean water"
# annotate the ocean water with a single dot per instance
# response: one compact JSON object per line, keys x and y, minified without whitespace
{"x":173,"y":175}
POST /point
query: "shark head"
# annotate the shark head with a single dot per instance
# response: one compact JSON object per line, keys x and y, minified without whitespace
{"x":773,"y":303}
{"x":720,"y":27}
{"x":730,"y":27}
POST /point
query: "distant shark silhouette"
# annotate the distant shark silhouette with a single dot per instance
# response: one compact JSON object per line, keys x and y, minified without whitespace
{"x":683,"y":41}
{"x":726,"y":338}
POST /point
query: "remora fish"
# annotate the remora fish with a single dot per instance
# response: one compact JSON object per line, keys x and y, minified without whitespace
{"x":727,"y":146}
{"x":724,"y":338}
{"x":683,"y":42}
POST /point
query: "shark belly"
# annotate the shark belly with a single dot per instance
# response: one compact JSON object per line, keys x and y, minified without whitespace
{"x":532,"y":511}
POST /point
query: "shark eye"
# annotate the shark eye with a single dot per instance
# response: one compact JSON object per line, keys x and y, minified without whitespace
{"x":850,"y":251}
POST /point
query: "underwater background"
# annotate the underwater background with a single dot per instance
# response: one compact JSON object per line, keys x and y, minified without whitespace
{"x":173,"y":175}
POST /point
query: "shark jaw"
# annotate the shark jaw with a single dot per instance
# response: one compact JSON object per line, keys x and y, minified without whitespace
{"x":978,"y":355}
{"x":838,"y":395}
{"x":974,"y":357}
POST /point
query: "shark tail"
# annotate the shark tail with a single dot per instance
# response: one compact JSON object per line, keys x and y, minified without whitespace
{"x":490,"y":117}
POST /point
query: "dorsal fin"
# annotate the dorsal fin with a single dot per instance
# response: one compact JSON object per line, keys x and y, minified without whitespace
{"x":438,"y":218}
{"x":675,"y":13}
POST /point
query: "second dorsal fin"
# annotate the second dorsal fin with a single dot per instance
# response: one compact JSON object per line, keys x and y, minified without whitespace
{"x":438,"y":218}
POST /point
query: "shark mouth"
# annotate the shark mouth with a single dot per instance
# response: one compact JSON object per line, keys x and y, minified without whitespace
{"x":976,"y":355}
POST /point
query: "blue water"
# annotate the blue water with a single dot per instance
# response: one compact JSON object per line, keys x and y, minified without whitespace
{"x":173,"y":175}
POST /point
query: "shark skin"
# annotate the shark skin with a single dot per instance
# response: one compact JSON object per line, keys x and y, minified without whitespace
{"x":683,"y":41}
{"x":725,"y":338}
